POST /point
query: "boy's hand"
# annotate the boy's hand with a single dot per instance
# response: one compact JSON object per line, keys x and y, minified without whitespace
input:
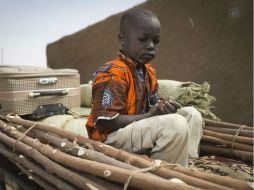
{"x":172,"y":101}
{"x":157,"y":109}
{"x":169,"y":105}
{"x":165,"y":106}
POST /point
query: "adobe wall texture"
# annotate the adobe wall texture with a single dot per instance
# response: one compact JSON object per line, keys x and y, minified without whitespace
{"x":201,"y":40}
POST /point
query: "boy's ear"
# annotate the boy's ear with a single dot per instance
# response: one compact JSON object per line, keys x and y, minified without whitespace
{"x":121,"y":38}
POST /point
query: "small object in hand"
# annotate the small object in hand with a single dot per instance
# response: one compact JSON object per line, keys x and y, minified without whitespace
{"x":172,"y":101}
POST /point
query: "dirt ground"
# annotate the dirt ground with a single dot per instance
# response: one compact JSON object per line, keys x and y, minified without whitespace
{"x":201,"y":40}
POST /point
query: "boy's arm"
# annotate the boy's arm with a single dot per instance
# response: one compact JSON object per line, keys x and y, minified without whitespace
{"x":120,"y":121}
{"x":160,"y":108}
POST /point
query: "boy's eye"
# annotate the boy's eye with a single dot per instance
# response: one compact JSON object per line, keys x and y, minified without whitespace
{"x":156,"y":41}
{"x":143,"y":39}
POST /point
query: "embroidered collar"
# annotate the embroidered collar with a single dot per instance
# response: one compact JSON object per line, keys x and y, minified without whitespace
{"x":127,"y":60}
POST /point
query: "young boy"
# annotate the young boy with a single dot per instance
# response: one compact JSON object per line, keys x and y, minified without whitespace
{"x":127,"y":111}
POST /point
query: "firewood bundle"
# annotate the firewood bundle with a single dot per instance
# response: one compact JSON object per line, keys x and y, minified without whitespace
{"x":227,"y":139}
{"x":58,"y":159}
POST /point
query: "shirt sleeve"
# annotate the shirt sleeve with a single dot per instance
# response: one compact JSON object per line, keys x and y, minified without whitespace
{"x":109,"y":96}
{"x":154,"y":95}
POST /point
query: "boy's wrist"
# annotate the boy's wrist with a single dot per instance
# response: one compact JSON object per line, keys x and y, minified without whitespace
{"x":149,"y":114}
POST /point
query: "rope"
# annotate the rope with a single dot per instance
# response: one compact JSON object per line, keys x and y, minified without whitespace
{"x":154,"y":167}
{"x":76,"y":115}
{"x":236,"y":134}
{"x":24,"y":134}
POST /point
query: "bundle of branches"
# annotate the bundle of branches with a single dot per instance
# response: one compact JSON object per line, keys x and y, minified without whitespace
{"x":189,"y":94}
{"x":59,"y":159}
{"x":227,"y":139}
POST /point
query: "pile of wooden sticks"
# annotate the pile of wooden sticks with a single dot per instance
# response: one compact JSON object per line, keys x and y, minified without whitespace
{"x":58,"y":159}
{"x":227,"y":139}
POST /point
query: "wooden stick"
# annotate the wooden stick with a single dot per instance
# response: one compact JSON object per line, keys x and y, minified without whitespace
{"x":218,"y":141}
{"x":10,"y":175}
{"x":246,"y":140}
{"x":248,"y":156}
{"x":103,"y":182}
{"x":50,"y":166}
{"x":125,"y":156}
{"x":76,"y":150}
{"x":245,"y":133}
{"x":99,"y":181}
{"x":222,"y":180}
{"x":210,"y":122}
{"x":34,"y":168}
{"x":50,"y":141}
{"x":137,"y":161}
{"x":140,"y":180}
{"x":35,"y":178}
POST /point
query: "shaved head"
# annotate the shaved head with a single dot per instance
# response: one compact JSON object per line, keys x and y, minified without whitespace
{"x":133,"y":18}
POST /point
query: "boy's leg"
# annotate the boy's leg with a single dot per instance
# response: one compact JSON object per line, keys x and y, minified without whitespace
{"x":165,"y":137}
{"x":195,"y":121}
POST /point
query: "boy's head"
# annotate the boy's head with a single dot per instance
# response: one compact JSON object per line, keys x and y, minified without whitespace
{"x":139,"y":35}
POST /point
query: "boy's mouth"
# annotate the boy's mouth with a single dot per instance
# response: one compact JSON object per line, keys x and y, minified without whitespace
{"x":148,"y":55}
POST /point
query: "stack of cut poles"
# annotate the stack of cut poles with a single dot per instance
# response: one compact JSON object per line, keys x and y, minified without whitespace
{"x":58,"y":159}
{"x":227,"y":139}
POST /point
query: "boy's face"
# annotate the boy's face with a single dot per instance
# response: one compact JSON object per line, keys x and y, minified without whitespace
{"x":141,"y":40}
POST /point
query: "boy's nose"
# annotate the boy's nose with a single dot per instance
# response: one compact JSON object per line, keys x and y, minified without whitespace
{"x":150,"y":45}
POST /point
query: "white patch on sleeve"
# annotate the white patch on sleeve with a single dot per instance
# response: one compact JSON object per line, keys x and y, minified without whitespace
{"x":106,"y":98}
{"x":107,"y":118}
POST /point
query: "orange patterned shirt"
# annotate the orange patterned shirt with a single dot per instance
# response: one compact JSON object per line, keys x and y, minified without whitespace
{"x":120,"y":87}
